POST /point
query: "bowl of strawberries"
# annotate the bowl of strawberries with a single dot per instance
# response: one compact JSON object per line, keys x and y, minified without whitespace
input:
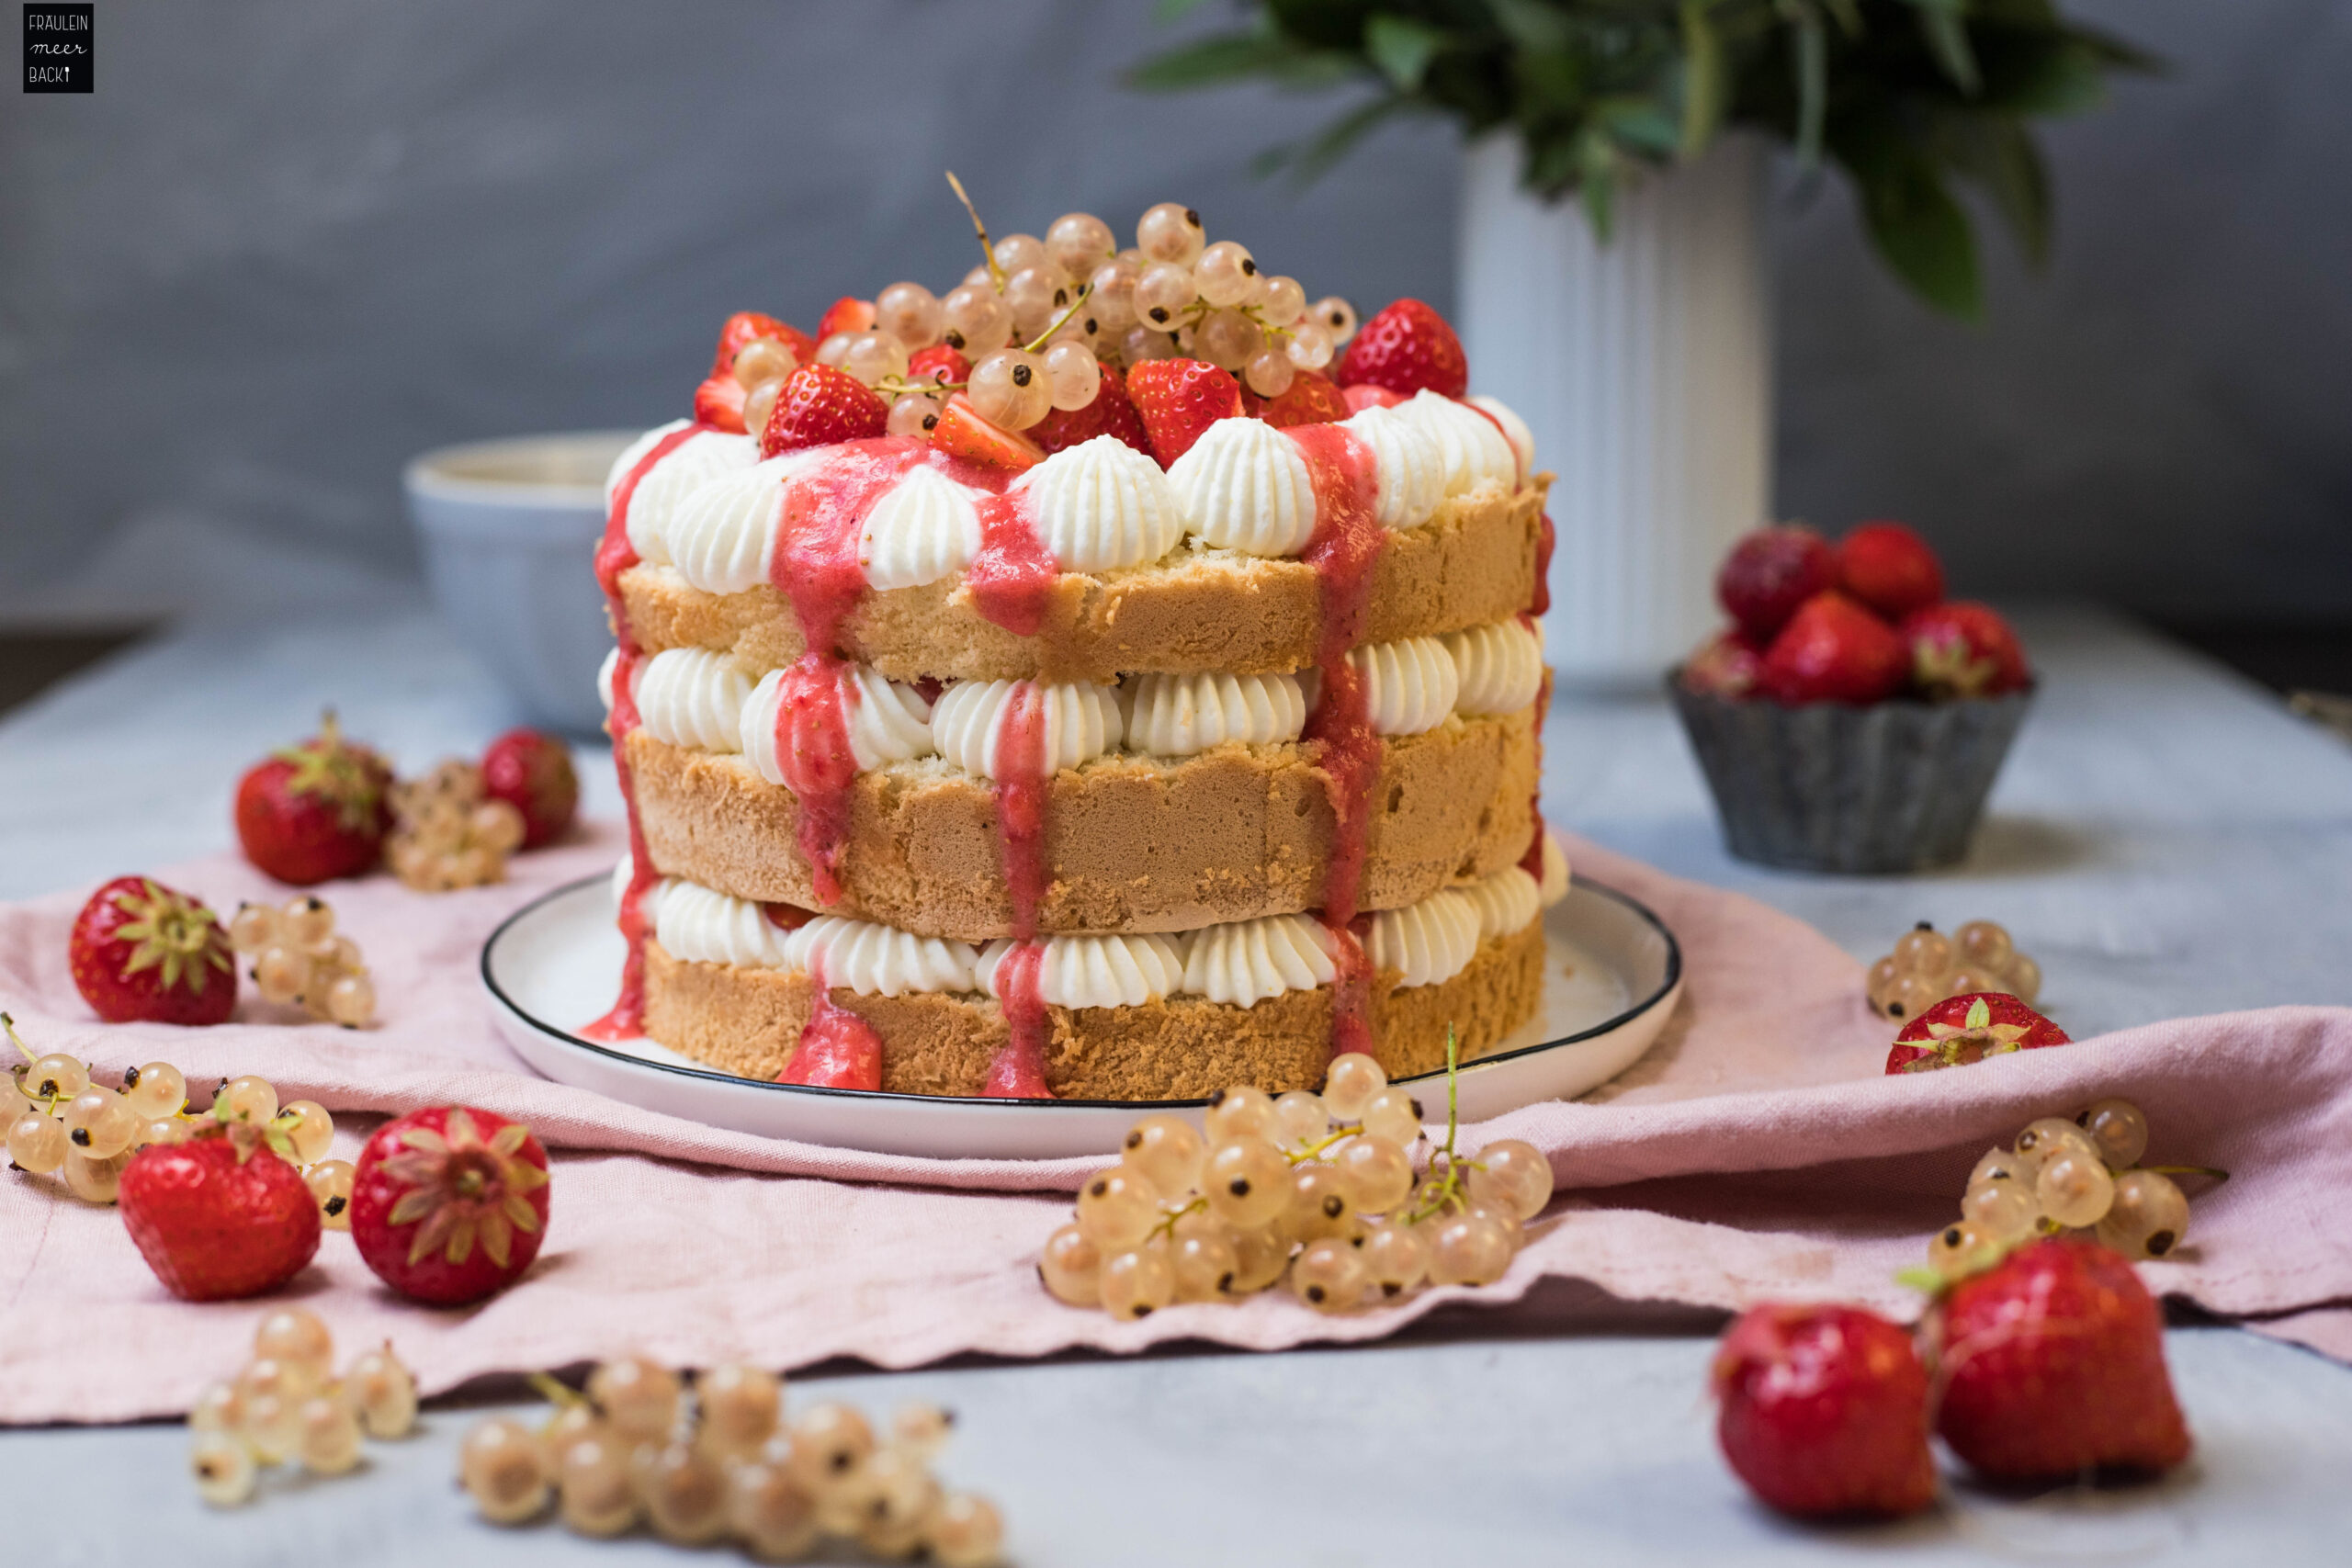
{"x":1851,"y":718}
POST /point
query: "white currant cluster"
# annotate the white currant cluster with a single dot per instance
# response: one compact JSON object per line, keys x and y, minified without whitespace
{"x":288,"y":1405}
{"x":2080,"y":1173}
{"x":448,"y":832}
{"x":58,"y":1119}
{"x":717,"y":1459}
{"x":1927,"y":967}
{"x":1322,"y":1189}
{"x":298,"y":960}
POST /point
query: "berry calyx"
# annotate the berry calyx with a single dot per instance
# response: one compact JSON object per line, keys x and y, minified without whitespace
{"x":450,"y":1204}
{"x":1964,"y":649}
{"x":315,"y":810}
{"x":139,"y":951}
{"x":1962,"y":1031}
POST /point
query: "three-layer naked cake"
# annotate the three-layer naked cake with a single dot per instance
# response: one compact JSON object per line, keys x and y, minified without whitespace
{"x":1174,"y":735}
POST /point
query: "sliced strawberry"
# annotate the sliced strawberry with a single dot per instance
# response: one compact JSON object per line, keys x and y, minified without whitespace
{"x":1111,"y":414}
{"x":1769,"y":572}
{"x":962,"y":433}
{"x":744,"y":327}
{"x":846,"y":314}
{"x":1726,"y":665}
{"x":141,"y":952}
{"x":1177,"y":399}
{"x":1889,"y":568}
{"x":1311,"y":400}
{"x":1823,"y":1411}
{"x":939,"y":364}
{"x":820,"y":406}
{"x":1359,"y":399}
{"x":1964,"y":649}
{"x":1961,"y":1030}
{"x":1833,"y":651}
{"x":719,"y":403}
{"x":1407,"y":348}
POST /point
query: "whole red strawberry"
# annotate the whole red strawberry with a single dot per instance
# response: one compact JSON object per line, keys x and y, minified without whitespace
{"x":1726,"y":665}
{"x":1111,"y":414}
{"x":1824,"y":1411}
{"x":1964,"y":649}
{"x":450,"y":1204}
{"x":2052,"y":1364}
{"x":1769,"y":573}
{"x":943,"y":365}
{"x":142,"y":953}
{"x":1178,"y":399}
{"x":846,"y":314}
{"x":719,"y":403}
{"x":1833,"y":651}
{"x":960,"y":432}
{"x":219,"y":1215}
{"x":317,"y":810}
{"x":1311,"y":400}
{"x":532,"y":772}
{"x":1407,"y":348}
{"x":819,"y":406}
{"x":1889,"y":568}
{"x":746,"y":327}
{"x":1359,"y":399}
{"x":1960,"y":1031}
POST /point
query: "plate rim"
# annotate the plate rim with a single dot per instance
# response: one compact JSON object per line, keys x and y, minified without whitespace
{"x":1668,"y":985}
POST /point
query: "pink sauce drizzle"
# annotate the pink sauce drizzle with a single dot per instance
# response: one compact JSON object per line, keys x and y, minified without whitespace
{"x":838,"y":1049}
{"x":814,"y":758}
{"x":616,"y":555}
{"x":1022,"y":789}
{"x":1019,"y":1070}
{"x":1531,"y":862}
{"x":1343,"y":549}
{"x":1012,"y":579}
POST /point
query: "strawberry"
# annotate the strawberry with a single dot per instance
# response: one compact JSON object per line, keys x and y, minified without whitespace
{"x":1964,"y":649}
{"x":316,"y":810}
{"x":1726,"y":665}
{"x":719,"y":403}
{"x":1177,"y":399}
{"x":819,"y":406}
{"x":1769,"y":573}
{"x":1359,"y":399}
{"x":846,"y":314}
{"x":962,"y":433}
{"x":1311,"y":400}
{"x":1889,"y":568}
{"x":1833,"y":651}
{"x":142,"y":953}
{"x":1824,"y":1411}
{"x":532,"y":772}
{"x":745,"y":327}
{"x":2053,"y":1363}
{"x":221,"y":1214}
{"x":450,"y":1204}
{"x":939,"y":364}
{"x":1958,"y":1030}
{"x":1111,"y":414}
{"x":1407,"y":348}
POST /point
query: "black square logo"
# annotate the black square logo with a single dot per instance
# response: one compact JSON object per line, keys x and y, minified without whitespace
{"x":58,"y":51}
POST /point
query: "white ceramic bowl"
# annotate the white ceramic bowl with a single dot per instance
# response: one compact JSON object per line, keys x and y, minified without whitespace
{"x":509,"y":530}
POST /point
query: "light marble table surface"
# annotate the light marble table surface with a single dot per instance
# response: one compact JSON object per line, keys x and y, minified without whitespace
{"x":2166,"y":839}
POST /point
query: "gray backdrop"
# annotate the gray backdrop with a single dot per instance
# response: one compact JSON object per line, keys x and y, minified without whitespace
{"x":288,"y":242}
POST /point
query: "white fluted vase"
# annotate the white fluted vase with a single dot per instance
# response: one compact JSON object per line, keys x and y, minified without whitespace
{"x":1643,"y":366}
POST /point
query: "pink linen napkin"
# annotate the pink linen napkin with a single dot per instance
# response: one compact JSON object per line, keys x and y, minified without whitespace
{"x":1756,"y":1153}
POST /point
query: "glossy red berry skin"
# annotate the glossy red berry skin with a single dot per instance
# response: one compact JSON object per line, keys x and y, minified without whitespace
{"x":532,"y":771}
{"x":1112,"y":412}
{"x":1407,"y":348}
{"x":216,"y":1223}
{"x":449,"y":1204}
{"x":939,"y":365}
{"x":141,"y":952}
{"x":1954,"y":1034}
{"x":1769,"y":573}
{"x":1834,"y":650}
{"x":1311,"y":400}
{"x":1889,"y":569}
{"x":1964,"y":649}
{"x":2052,"y":1364}
{"x":846,"y":314}
{"x":961,"y":432}
{"x":1726,"y":665}
{"x":315,"y":811}
{"x":1179,"y":400}
{"x":719,"y":403}
{"x":820,"y":406}
{"x":747,"y":327}
{"x":1823,"y":1412}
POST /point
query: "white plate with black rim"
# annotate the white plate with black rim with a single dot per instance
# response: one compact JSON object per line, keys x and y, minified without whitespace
{"x":1611,"y":976}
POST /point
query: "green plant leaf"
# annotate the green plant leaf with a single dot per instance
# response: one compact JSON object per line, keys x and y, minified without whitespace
{"x":1309,"y":160}
{"x":1212,"y":62}
{"x":1167,"y":11}
{"x":1809,"y":61}
{"x":2000,"y":156}
{"x":1532,"y":24}
{"x":1706,"y":85}
{"x":1597,"y":180}
{"x":1917,"y":229}
{"x":1941,"y":23}
{"x":1402,"y":49}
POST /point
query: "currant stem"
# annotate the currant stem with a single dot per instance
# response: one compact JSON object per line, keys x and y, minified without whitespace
{"x":10,"y":1025}
{"x":1047,"y":335}
{"x":1302,"y":1155}
{"x":1168,"y":1217}
{"x":560,"y":1395}
{"x":988,"y":246}
{"x":2214,"y":1171}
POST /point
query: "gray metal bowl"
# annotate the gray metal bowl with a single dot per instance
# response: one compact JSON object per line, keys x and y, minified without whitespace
{"x":1897,"y":786}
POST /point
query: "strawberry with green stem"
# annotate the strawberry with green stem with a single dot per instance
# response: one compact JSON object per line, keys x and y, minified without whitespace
{"x":1962,"y":1031}
{"x":223,"y":1213}
{"x":141,"y":952}
{"x":317,"y":810}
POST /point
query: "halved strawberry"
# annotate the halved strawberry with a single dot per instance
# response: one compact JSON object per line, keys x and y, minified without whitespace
{"x":1407,"y":348}
{"x":1179,"y":399}
{"x":719,"y":403}
{"x":846,"y":314}
{"x":744,"y":327}
{"x":1964,"y":649}
{"x":1961,"y":1030}
{"x":819,"y":406}
{"x":962,"y":433}
{"x":1311,"y":400}
{"x":1111,"y":414}
{"x":938,"y":363}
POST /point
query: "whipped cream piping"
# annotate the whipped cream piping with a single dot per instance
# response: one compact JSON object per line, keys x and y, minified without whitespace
{"x":1410,"y":469}
{"x":706,"y":926}
{"x":722,"y":535}
{"x":605,"y":672}
{"x":1499,"y":666}
{"x":968,"y":723}
{"x":685,"y":467}
{"x":1515,"y":431}
{"x":887,"y":722}
{"x":1245,"y":961}
{"x":1474,"y":451}
{"x":925,"y":527}
{"x":1506,"y":902}
{"x":1245,"y":487}
{"x":1409,"y":684}
{"x":1426,"y":943}
{"x":691,"y":696}
{"x":1101,"y":506}
{"x":1095,"y":971}
{"x":1555,"y":869}
{"x":876,"y":960}
{"x":1177,"y":716}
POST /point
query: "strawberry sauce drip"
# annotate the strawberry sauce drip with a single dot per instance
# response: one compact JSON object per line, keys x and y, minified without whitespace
{"x":1343,"y":549}
{"x":838,"y":1049}
{"x":815,"y":565}
{"x":616,"y":555}
{"x":1012,"y":579}
{"x":1546,"y":537}
{"x":1023,"y":784}
{"x":813,"y":756}
{"x":1019,"y":1070}
{"x":1531,"y":862}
